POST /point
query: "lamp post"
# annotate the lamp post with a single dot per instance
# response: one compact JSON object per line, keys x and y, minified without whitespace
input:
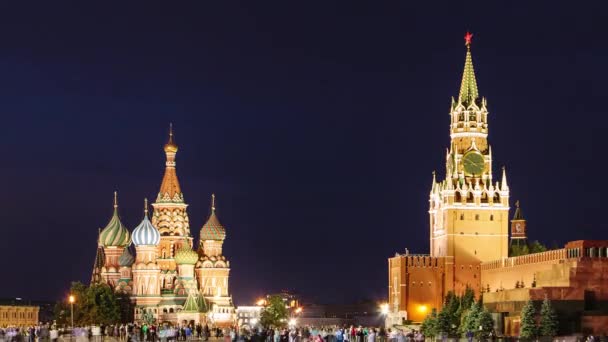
{"x":72,"y":299}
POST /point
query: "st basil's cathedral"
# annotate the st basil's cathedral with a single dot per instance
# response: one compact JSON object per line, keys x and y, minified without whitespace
{"x":165,"y":277}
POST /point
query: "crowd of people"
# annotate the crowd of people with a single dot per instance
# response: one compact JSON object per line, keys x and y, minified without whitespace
{"x":170,"y":333}
{"x":329,"y":334}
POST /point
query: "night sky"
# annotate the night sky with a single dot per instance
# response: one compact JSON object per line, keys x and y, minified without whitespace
{"x":317,"y":125}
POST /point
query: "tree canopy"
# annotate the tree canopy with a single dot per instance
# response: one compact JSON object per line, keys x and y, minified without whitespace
{"x":96,"y":304}
{"x":275,"y":313}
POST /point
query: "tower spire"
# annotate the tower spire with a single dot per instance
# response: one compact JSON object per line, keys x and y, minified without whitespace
{"x":503,"y":184}
{"x":170,"y":190}
{"x":115,"y":200}
{"x":468,"y":88}
{"x":213,"y":203}
{"x":146,"y":207}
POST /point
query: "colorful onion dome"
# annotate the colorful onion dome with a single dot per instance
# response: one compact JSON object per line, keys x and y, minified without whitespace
{"x":126,"y":259}
{"x":115,"y":234}
{"x":146,"y":234}
{"x":170,"y":146}
{"x":213,"y":229}
{"x":185,"y":255}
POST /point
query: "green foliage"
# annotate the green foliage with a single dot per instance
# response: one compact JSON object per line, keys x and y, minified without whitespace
{"x":532,"y":247}
{"x":484,"y":324}
{"x":537,"y":247}
{"x":429,"y":325}
{"x":468,"y":298}
{"x":443,"y":322}
{"x":528,"y":327}
{"x":548,"y":319}
{"x":470,"y":320}
{"x":275,"y":314}
{"x":517,"y":250}
{"x":97,"y":304}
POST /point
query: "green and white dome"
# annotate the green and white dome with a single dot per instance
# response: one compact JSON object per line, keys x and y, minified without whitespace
{"x":115,"y":234}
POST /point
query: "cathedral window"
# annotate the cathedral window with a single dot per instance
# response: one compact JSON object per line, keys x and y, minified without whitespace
{"x":491,"y":217}
{"x":472,"y":117}
{"x":477,"y":217}
{"x":470,"y":198}
{"x":460,"y":116}
{"x":461,"y":217}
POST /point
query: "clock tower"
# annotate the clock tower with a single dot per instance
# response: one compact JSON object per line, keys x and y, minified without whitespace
{"x":468,"y":210}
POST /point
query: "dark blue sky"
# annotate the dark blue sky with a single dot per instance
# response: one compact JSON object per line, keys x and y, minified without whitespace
{"x":317,"y":125}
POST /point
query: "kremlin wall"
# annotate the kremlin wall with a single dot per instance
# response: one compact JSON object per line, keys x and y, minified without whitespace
{"x":470,"y":238}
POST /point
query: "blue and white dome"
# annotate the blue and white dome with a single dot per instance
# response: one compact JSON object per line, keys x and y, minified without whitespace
{"x":145,"y":234}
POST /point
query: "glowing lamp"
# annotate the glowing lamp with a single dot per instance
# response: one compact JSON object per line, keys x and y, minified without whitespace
{"x":292,"y":322}
{"x":72,"y":299}
{"x":299,"y":310}
{"x":384,"y":308}
{"x":422,"y":309}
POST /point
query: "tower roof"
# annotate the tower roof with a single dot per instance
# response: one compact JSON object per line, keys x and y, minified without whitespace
{"x":468,"y":87}
{"x":115,"y":234}
{"x":213,"y":229}
{"x":185,"y":255}
{"x":518,"y":215}
{"x":145,"y":234}
{"x":170,"y":190}
{"x":126,"y":259}
{"x":191,"y":304}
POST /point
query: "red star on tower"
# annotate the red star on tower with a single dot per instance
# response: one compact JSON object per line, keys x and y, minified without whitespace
{"x":467,"y":38}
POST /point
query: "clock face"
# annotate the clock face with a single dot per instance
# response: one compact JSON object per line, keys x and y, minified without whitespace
{"x":518,"y":227}
{"x":473,"y":163}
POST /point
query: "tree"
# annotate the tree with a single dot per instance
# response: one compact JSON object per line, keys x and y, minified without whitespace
{"x":484,"y":323}
{"x":537,"y":247}
{"x":275,"y":313}
{"x":429,"y":325}
{"x":444,"y":322}
{"x":528,"y":327}
{"x":470,"y":320}
{"x":517,"y":250}
{"x":548,"y":319}
{"x":103,"y":305}
{"x":93,"y":305}
{"x":468,"y":298}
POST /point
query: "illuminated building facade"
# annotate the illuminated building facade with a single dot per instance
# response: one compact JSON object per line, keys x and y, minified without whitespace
{"x":18,"y":315}
{"x":165,"y":277}
{"x":469,"y":240}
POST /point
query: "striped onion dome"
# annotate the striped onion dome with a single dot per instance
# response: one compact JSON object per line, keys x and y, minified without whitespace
{"x":185,"y":255}
{"x":146,"y":234}
{"x":115,"y":234}
{"x":126,"y":259}
{"x":213,"y":229}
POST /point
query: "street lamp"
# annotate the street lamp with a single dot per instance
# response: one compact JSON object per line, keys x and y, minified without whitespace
{"x":299,"y":310}
{"x":384,"y":309}
{"x":72,"y":299}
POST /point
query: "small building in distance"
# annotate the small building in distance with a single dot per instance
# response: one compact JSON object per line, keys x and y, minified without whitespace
{"x":15,"y":312}
{"x":248,"y":317}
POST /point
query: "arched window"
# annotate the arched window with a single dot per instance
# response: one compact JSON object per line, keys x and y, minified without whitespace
{"x":458,"y":197}
{"x":492,"y":217}
{"x":476,"y":217}
{"x":496,"y":198}
{"x":484,"y":197}
{"x":171,"y":310}
{"x":473,"y":116}
{"x":470,"y":198}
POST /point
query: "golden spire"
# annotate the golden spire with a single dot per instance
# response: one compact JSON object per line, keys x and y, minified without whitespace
{"x":115,"y":201}
{"x":213,"y":202}
{"x":169,"y":189}
{"x":146,"y":206}
{"x":170,"y":146}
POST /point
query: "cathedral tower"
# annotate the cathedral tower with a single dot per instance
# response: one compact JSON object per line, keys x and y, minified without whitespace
{"x":170,"y":217}
{"x":146,"y":271}
{"x":468,"y":211}
{"x":213,"y":269}
{"x":114,"y":238}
